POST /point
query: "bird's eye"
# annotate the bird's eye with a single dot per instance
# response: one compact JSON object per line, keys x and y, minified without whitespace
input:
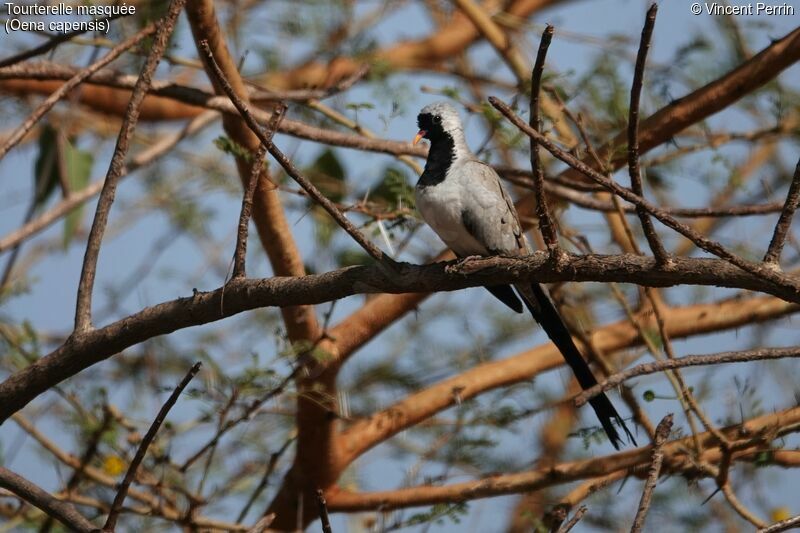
{"x":437,"y":119}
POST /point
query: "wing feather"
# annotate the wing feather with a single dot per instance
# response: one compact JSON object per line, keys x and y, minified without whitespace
{"x":490,"y":216}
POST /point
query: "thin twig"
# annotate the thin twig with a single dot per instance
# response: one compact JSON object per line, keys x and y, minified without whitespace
{"x":323,"y":512}
{"x":65,"y":89}
{"x":262,"y":525}
{"x":633,"y":137}
{"x":240,"y":254}
{"x":783,"y":525}
{"x":690,"y":360}
{"x":36,"y":496}
{"x":572,"y":522}
{"x":75,"y":199}
{"x":83,"y":308}
{"x":706,"y":244}
{"x":116,"y":507}
{"x":546,"y":224}
{"x":262,"y":484}
{"x":662,"y":433}
{"x":773,"y":254}
{"x":284,"y":161}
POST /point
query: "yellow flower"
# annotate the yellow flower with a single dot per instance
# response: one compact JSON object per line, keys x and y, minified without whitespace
{"x":780,"y":513}
{"x":113,"y":465}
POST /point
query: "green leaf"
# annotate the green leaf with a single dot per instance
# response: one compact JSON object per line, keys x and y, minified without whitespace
{"x":394,"y":189}
{"x":327,"y":173}
{"x":359,"y":105}
{"x":45,"y":170}
{"x":78,"y":166}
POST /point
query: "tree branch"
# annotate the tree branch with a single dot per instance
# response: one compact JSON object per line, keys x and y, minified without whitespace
{"x":83,"y":308}
{"x":27,"y":491}
{"x":633,"y":137}
{"x":767,"y":427}
{"x":284,"y":161}
{"x":662,"y":433}
{"x":773,"y":254}
{"x":681,"y":322}
{"x":789,"y":284}
{"x":760,"y":354}
{"x":93,"y":346}
{"x":240,"y":252}
{"x":546,"y":224}
{"x":67,"y":87}
{"x":122,"y":492}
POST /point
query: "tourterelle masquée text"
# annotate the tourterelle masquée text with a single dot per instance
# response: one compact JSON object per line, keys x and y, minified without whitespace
{"x":18,"y":16}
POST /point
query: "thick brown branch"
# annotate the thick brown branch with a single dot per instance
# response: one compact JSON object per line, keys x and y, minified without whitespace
{"x":766,"y":427}
{"x":717,"y":95}
{"x":84,"y":350}
{"x":176,"y":97}
{"x":268,"y":214}
{"x":679,"y":322}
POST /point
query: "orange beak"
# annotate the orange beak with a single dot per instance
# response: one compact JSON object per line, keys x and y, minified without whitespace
{"x":419,"y":136}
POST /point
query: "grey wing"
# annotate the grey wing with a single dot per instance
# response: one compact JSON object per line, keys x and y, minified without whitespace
{"x":490,"y":216}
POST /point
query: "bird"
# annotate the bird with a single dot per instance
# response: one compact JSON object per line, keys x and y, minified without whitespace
{"x":462,"y":199}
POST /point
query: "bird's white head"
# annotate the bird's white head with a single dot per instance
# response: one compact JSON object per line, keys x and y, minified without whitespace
{"x":440,"y":120}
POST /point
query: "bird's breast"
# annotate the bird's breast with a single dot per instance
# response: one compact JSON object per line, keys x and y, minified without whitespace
{"x":441,"y":206}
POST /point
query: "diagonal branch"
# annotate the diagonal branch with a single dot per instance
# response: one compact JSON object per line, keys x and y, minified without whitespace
{"x":67,"y":87}
{"x":633,"y":137}
{"x":240,"y":252}
{"x":713,"y":247}
{"x":36,"y":496}
{"x":773,"y":254}
{"x":760,"y":429}
{"x":75,"y":199}
{"x":662,"y":433}
{"x":122,"y":492}
{"x":572,"y":522}
{"x":284,"y":161}
{"x":783,"y":525}
{"x":268,"y":213}
{"x":681,"y":322}
{"x":83,"y":308}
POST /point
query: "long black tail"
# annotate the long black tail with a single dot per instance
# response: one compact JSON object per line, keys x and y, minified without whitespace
{"x":545,"y":313}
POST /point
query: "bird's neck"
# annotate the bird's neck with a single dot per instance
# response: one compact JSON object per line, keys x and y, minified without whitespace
{"x":443,"y":152}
